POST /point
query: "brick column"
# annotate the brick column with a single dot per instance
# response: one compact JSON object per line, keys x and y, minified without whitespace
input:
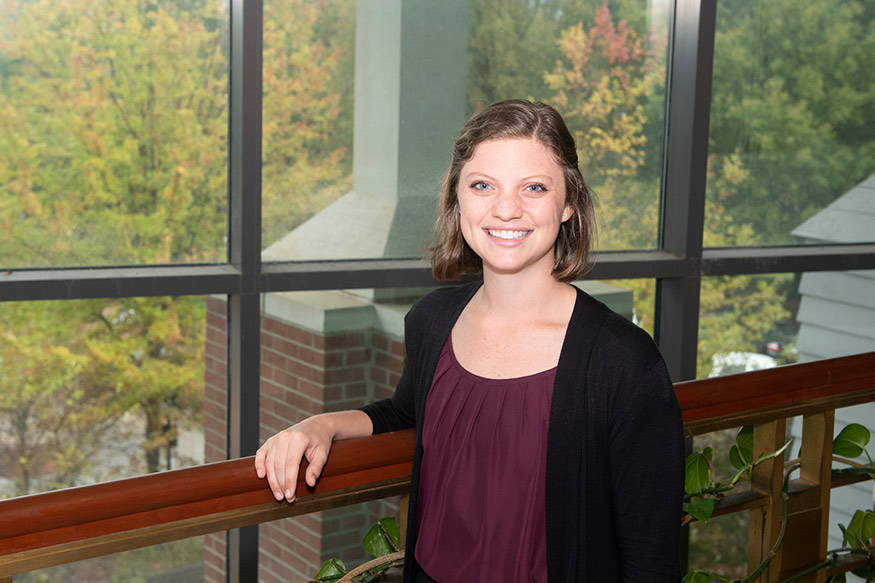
{"x":215,"y":420}
{"x":321,"y":352}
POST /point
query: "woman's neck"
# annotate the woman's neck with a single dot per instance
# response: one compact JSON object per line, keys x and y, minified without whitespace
{"x":523,"y":294}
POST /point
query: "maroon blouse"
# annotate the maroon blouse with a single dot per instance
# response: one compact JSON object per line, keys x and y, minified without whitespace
{"x":481,"y":492}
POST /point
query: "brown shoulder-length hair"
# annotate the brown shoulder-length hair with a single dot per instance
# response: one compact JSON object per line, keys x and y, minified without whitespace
{"x":451,"y":257}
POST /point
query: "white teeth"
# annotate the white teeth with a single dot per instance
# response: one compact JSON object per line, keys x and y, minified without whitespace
{"x":507,"y":234}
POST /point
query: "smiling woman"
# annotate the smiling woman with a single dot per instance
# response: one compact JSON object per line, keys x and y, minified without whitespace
{"x":536,"y":408}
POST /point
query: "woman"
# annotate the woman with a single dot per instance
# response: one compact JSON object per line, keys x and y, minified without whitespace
{"x":548,"y":438}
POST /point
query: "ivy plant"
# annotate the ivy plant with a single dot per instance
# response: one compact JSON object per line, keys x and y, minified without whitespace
{"x":702,"y":491}
{"x":383,"y":542}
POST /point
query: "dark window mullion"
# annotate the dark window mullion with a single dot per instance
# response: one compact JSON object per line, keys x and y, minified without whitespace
{"x":683,"y":198}
{"x":244,"y":252}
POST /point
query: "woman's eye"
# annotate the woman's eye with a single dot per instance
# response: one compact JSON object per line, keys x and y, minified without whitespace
{"x":479,"y":185}
{"x":536,"y":188}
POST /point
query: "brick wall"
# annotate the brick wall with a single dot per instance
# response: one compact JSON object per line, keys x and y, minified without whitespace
{"x":303,"y":372}
{"x":215,"y":420}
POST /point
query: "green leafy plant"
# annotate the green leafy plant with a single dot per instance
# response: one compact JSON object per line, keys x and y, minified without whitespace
{"x":851,"y":443}
{"x":703,"y":492}
{"x":857,"y":536}
{"x":383,"y":542}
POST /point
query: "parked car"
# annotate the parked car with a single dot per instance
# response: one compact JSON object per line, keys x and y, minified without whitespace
{"x":725,"y":363}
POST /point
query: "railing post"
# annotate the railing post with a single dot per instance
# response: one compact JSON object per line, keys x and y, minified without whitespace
{"x":808,"y":520}
{"x":403,"y":504}
{"x":767,"y":478}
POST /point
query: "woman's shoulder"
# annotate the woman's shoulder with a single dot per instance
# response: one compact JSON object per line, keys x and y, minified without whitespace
{"x":614,"y":336}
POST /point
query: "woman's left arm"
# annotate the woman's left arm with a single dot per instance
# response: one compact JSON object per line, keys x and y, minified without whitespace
{"x":647,"y":477}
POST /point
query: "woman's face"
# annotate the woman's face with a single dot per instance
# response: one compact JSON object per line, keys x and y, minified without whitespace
{"x":512,"y":201}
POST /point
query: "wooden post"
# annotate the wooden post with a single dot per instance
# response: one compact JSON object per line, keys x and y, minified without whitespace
{"x":767,"y":478}
{"x":403,"y":503}
{"x":807,"y":536}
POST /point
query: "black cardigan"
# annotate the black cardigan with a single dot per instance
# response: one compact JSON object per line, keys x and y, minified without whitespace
{"x":615,"y":451}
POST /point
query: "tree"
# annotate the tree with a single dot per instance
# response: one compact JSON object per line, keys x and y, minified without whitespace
{"x":115,"y":148}
{"x":606,"y":82}
{"x":113,"y":151}
{"x":114,"y":154}
{"x":609,"y":82}
{"x":509,"y":47}
{"x":736,"y":312}
{"x":53,"y":414}
{"x":306,"y":166}
{"x":792,"y":96}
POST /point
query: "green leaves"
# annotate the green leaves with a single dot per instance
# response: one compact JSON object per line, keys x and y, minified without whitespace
{"x":851,"y":441}
{"x":703,"y":491}
{"x":383,"y":538}
{"x":860,"y":530}
{"x":700,"y":509}
{"x":700,"y":487}
{"x":697,"y":576}
{"x":332,"y":570}
{"x":698,"y":471}
{"x":858,"y":535}
{"x":741,"y":454}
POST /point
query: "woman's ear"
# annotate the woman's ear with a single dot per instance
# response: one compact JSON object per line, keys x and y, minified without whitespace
{"x":567,"y":212}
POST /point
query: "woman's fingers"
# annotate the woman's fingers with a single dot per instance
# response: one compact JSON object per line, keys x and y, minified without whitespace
{"x":316,"y":461}
{"x":279,"y":459}
{"x":275,"y":461}
{"x":259,"y":462}
{"x":287,"y":460}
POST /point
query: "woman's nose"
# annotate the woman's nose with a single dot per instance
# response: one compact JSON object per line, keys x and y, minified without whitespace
{"x":507,"y":206}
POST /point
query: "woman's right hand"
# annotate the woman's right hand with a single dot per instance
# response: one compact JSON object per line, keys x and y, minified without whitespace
{"x":279,"y":459}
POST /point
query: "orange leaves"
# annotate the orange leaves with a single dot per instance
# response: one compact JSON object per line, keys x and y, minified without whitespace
{"x":606,"y":77}
{"x":618,"y":43}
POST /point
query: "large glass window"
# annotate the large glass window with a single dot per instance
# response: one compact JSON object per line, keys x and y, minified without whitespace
{"x":114,"y":130}
{"x":603,"y":66}
{"x":96,"y":390}
{"x":754,"y":322}
{"x":309,"y":52}
{"x":747,"y":323}
{"x":362,"y":104}
{"x":792,"y":120}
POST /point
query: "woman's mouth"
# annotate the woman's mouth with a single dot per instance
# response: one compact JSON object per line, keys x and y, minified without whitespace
{"x":507,"y":234}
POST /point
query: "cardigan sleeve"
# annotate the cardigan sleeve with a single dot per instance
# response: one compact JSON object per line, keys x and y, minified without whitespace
{"x":647,"y":476}
{"x":398,"y":411}
{"x":426,"y":327}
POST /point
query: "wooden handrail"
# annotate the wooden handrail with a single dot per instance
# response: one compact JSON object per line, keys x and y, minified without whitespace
{"x":69,"y":525}
{"x":780,"y":392}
